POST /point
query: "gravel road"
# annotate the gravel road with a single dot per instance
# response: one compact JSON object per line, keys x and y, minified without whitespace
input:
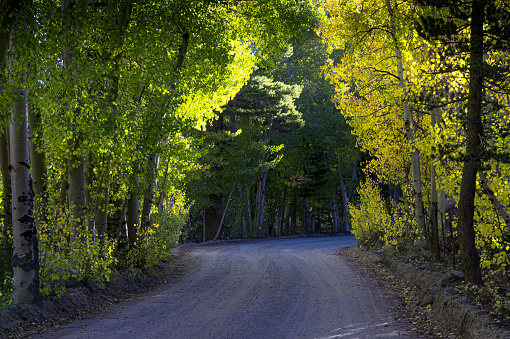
{"x":283,"y":288}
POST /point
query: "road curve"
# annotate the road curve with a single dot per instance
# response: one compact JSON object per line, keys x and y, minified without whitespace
{"x":282,"y":288}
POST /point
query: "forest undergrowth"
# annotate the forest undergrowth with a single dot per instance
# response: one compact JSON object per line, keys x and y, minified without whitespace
{"x":381,"y":225}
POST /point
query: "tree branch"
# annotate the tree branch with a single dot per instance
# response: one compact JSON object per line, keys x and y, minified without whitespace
{"x":494,"y":200}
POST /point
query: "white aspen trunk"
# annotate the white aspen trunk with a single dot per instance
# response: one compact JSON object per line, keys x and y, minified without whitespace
{"x":25,"y":258}
{"x":408,"y":120}
{"x":335,"y":218}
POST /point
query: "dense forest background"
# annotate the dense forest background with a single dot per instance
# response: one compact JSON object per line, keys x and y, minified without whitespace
{"x":129,"y":127}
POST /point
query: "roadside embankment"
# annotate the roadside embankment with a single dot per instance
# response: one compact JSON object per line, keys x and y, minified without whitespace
{"x":438,"y":290}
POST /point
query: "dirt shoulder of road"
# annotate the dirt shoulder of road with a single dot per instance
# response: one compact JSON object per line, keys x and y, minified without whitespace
{"x":428,"y":301}
{"x":80,"y":298}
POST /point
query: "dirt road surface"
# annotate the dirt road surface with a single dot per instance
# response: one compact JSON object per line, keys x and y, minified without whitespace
{"x":283,"y":288}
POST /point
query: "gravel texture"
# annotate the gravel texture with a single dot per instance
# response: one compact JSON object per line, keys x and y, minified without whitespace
{"x":282,"y":288}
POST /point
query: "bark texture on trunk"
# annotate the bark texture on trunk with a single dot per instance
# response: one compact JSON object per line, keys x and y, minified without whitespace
{"x":6,"y":189}
{"x":470,"y":258}
{"x":25,"y":257}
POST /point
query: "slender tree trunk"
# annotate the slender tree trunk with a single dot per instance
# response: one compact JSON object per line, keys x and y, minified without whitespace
{"x":212,"y":213}
{"x":335,"y":219}
{"x":7,"y":19}
{"x":90,"y":198}
{"x":212,"y":217}
{"x":287,"y":228}
{"x":243,"y":216}
{"x":149,"y":194}
{"x":293,"y":217}
{"x":8,"y":9}
{"x":25,"y":256}
{"x":246,"y":212}
{"x":116,"y":214}
{"x":500,"y":209}
{"x":25,"y":259}
{"x":470,"y":258}
{"x":119,"y":21}
{"x":434,"y":199}
{"x":64,"y":187}
{"x":312,"y":222}
{"x":6,"y":190}
{"x":225,"y":210}
{"x":162,"y":189}
{"x":262,"y":195}
{"x":133,"y":213}
{"x":257,"y":203}
{"x":408,"y":120}
{"x":102,"y":202}
{"x":279,"y":227}
{"x":270,"y":227}
{"x":345,"y":199}
{"x":248,"y":208}
{"x":303,"y":216}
